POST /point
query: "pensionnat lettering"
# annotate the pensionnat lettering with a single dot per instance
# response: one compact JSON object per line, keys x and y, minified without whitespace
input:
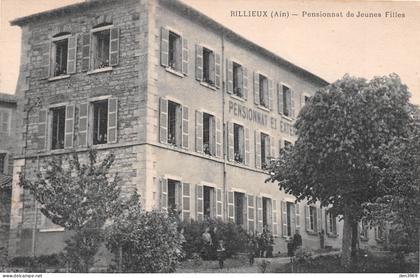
{"x":357,"y":14}
{"x":260,"y":118}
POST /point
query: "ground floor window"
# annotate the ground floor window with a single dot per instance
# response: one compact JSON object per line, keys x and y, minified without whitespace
{"x":266,"y":207}
{"x":174,"y":194}
{"x":239,"y":208}
{"x":312,"y":218}
{"x":290,"y":207}
{"x":100,"y":122}
{"x":209,"y":202}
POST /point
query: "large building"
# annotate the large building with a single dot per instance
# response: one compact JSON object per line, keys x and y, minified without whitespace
{"x":192,"y":111}
{"x":8,"y":119}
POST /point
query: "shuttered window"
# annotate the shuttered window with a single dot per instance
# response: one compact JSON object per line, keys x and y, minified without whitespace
{"x":267,"y":215}
{"x":5,"y":121}
{"x":173,"y":51}
{"x":240,"y":206}
{"x":62,"y":55}
{"x":100,"y":49}
{"x":312,"y":219}
{"x":209,"y":202}
{"x":331,"y":224}
{"x":237,"y":79}
{"x":57,"y":127}
{"x":286,"y":101}
{"x":173,"y":124}
{"x":208,"y":67}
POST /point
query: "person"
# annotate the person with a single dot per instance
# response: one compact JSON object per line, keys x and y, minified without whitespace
{"x":265,"y":241}
{"x":270,"y":245}
{"x":261,"y":245}
{"x":297,"y":241}
{"x":252,"y":244}
{"x":257,"y":244}
{"x":221,"y":253}
{"x":207,"y":243}
{"x":322,"y":239}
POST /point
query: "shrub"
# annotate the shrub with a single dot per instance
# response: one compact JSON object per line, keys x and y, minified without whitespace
{"x":39,"y":263}
{"x":235,"y":238}
{"x":145,"y":241}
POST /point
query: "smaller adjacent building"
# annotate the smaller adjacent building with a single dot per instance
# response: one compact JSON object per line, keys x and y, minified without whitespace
{"x":8,"y":145}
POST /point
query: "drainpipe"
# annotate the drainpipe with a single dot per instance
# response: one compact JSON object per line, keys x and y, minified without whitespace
{"x":35,"y":227}
{"x":224,"y":133}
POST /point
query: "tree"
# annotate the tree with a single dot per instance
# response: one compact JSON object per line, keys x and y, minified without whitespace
{"x":336,"y":158}
{"x":79,"y":198}
{"x":144,"y":241}
{"x":401,"y":204}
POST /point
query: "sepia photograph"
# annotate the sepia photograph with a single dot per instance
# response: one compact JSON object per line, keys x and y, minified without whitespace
{"x":209,"y":136}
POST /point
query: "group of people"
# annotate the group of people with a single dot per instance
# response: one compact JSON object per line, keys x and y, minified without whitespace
{"x":260,"y":245}
{"x":213,"y":246}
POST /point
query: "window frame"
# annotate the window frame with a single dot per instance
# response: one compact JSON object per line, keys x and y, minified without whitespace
{"x":93,"y":49}
{"x":178,"y":126}
{"x":267,"y":148}
{"x":9,"y":122}
{"x":90,"y":116}
{"x":244,"y":206}
{"x":241,"y":158}
{"x":211,"y":84}
{"x":241,"y":87}
{"x":212,"y":134}
{"x":4,"y":156}
{"x":285,"y":102}
{"x":51,"y":127}
{"x":212,"y":190}
{"x":313,"y":219}
{"x":179,"y":37}
{"x":264,"y":96}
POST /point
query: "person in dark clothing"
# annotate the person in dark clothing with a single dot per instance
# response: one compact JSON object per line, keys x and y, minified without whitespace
{"x":252,"y":246}
{"x":297,"y":241}
{"x":221,"y":253}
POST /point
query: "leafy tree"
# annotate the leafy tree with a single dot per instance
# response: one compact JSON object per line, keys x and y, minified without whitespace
{"x":337,"y":158}
{"x":401,"y":204}
{"x":78,"y":197}
{"x":144,"y":241}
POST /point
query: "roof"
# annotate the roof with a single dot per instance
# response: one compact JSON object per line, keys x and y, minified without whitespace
{"x":8,"y":98}
{"x":193,"y":14}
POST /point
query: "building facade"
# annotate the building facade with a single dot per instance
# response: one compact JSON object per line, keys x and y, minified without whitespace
{"x":8,"y":117}
{"x":193,"y":112}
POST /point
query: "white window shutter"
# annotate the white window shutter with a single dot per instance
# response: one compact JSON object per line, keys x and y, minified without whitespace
{"x":257,"y":149}
{"x":198,"y":62}
{"x":247,"y":146}
{"x":199,"y":131}
{"x":42,"y":129}
{"x":256,"y":88}
{"x":86,"y":38}
{"x":279,"y":98}
{"x":297,"y":211}
{"x":318,"y":220}
{"x":46,"y":67}
{"x":272,"y":148}
{"x":245,"y":82}
{"x":217,"y":70}
{"x":186,"y":199}
{"x":112,"y":120}
{"x":292,"y":104}
{"x":114,"y":47}
{"x":229,"y":75}
{"x":83,"y":124}
{"x":284,"y":218}
{"x":231,"y":207}
{"x":274,"y":213}
{"x":69,"y":127}
{"x":164,"y":194}
{"x":219,"y":138}
{"x":251,"y":213}
{"x":71,"y":54}
{"x":200,"y":205}
{"x":307,"y":218}
{"x":259,"y":214}
{"x":184,"y":56}
{"x":327,"y":223}
{"x":231,"y":150}
{"x":270,"y":94}
{"x":164,"y":47}
{"x":219,"y":203}
{"x":163,"y":121}
{"x":185,"y":128}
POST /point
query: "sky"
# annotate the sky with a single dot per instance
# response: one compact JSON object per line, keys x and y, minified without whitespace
{"x":328,"y":47}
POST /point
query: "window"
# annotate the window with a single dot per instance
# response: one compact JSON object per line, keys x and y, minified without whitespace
{"x":380,"y":232}
{"x":174,"y":123}
{"x":100,"y":121}
{"x":238,"y":137}
{"x":266,"y":206}
{"x":209,"y":201}
{"x":101,"y":43}
{"x":3,"y":163}
{"x":331,"y":224}
{"x":238,"y":85}
{"x":209,"y":132}
{"x":58,"y":127}
{"x":174,"y":195}
{"x":263,"y":83}
{"x":290,"y":218}
{"x":265,"y":150}
{"x":287,"y":101}
{"x":5,"y":121}
{"x":175,"y":52}
{"x":312,"y":218}
{"x":60,"y":58}
{"x":208,"y":66}
{"x":240,"y":208}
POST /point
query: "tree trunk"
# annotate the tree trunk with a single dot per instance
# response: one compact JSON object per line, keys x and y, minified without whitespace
{"x":354,"y":244}
{"x":347,"y":240}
